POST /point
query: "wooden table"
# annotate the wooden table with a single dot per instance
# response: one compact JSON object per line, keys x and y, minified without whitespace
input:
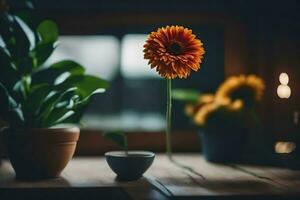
{"x":91,"y":178}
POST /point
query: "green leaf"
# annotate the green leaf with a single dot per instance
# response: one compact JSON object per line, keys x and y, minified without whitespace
{"x":186,"y":95}
{"x":19,"y":91}
{"x":4,"y":100}
{"x":16,"y":117}
{"x":49,"y":105}
{"x":36,"y":98}
{"x":41,"y":53}
{"x":86,"y":85}
{"x":14,"y":36}
{"x":50,"y":75}
{"x":6,"y":30}
{"x":8,"y":75}
{"x":48,"y":31}
{"x":80,"y":108}
{"x":58,"y":116}
{"x":119,"y":138}
{"x":8,"y":103}
{"x":31,"y":20}
{"x":9,"y":109}
{"x":24,"y":65}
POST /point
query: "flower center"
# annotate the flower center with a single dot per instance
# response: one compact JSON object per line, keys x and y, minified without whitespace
{"x":175,"y":48}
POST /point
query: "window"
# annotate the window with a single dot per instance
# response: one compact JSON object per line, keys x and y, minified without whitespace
{"x":99,"y":54}
{"x":136,"y":97}
{"x":133,"y":65}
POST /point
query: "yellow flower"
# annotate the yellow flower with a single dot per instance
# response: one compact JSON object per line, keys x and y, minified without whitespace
{"x":231,"y":97}
{"x":201,"y":116}
{"x":249,"y":89}
{"x":191,"y":109}
{"x":206,"y":98}
{"x":174,"y":51}
{"x":229,"y":106}
{"x":236,"y":105}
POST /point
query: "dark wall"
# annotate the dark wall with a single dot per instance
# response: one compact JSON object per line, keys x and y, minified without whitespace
{"x":259,"y":36}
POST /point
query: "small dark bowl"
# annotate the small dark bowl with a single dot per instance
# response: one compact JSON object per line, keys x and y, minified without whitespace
{"x":131,"y":166}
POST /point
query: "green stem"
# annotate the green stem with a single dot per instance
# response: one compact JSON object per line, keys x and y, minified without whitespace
{"x":168,"y":118}
{"x":125,"y":144}
{"x":26,"y":85}
{"x":168,"y":132}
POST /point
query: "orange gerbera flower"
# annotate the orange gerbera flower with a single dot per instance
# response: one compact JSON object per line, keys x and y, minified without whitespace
{"x":174,"y":51}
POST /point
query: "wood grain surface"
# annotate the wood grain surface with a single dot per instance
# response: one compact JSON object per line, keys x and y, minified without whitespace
{"x":91,"y":178}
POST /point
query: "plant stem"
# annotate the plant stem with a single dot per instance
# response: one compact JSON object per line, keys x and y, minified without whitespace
{"x":26,"y":85}
{"x":125,"y":144}
{"x":168,"y":132}
{"x":168,"y":118}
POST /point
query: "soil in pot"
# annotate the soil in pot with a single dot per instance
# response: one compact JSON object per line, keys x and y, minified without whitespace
{"x":40,"y":153}
{"x":130,"y":166}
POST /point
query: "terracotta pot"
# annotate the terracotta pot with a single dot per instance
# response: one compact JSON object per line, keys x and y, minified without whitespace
{"x":130,"y":166}
{"x":40,"y":153}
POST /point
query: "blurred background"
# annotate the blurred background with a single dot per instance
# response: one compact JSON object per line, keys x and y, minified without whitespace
{"x":239,"y":36}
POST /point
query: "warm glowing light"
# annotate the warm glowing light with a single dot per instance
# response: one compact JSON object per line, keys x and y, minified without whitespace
{"x":285,"y":147}
{"x":284,"y":91}
{"x":284,"y":78}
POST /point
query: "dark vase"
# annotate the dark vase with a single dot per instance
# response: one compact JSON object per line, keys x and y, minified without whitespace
{"x":223,"y":146}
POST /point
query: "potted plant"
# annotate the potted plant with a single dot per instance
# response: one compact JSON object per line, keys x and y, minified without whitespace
{"x":227,"y":118}
{"x":36,"y":98}
{"x":223,"y":132}
{"x":128,"y":165}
